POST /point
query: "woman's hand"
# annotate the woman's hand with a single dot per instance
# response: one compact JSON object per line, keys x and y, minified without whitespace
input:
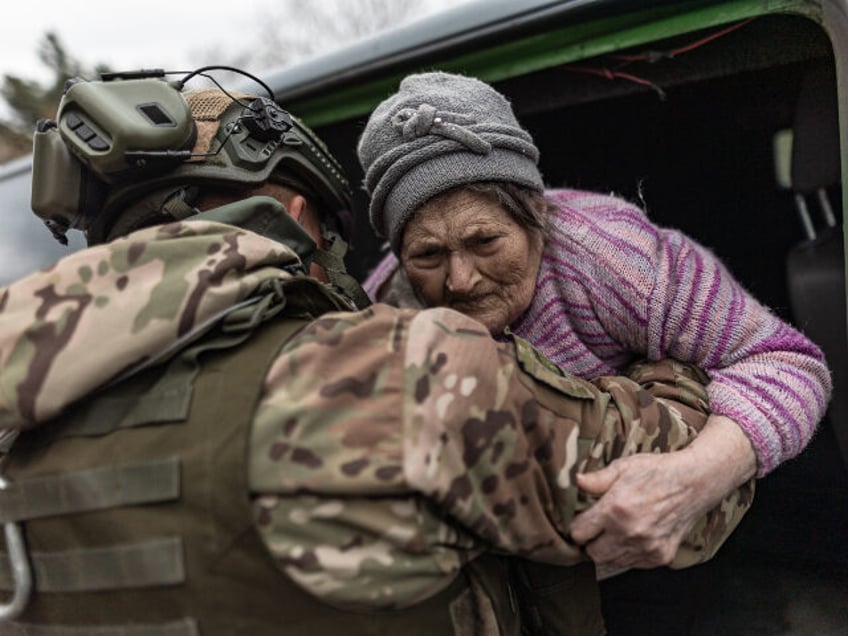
{"x":650,"y":501}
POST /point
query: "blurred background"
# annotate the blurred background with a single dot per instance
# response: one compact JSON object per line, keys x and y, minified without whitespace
{"x":45,"y":43}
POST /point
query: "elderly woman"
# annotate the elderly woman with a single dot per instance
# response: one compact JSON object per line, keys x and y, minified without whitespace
{"x":588,"y":280}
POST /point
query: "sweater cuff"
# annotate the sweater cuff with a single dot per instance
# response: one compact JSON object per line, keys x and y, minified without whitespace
{"x":771,"y":446}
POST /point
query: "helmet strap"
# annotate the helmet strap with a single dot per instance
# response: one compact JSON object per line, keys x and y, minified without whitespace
{"x":177,"y":204}
{"x":332,"y":260}
{"x":162,"y":206}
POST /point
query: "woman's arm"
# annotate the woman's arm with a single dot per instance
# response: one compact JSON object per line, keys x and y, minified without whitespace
{"x":766,"y":376}
{"x":769,"y":385}
{"x":656,"y":292}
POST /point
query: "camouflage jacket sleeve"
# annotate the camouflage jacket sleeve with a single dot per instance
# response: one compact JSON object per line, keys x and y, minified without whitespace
{"x":392,"y":446}
{"x":66,"y":330}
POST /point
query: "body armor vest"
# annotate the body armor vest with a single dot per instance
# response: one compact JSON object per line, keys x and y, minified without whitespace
{"x":138,"y":521}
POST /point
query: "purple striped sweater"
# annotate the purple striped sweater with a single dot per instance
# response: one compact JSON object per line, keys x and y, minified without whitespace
{"x":613,"y":287}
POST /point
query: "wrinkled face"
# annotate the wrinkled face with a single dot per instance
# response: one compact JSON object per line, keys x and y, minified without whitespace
{"x":463,"y":250}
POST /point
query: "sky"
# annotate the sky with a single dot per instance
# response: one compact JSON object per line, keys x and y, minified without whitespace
{"x":129,"y":35}
{"x":170,"y":34}
{"x":132,"y":34}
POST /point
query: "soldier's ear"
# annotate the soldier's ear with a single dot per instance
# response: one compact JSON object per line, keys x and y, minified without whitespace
{"x":308,"y":218}
{"x":296,"y":207}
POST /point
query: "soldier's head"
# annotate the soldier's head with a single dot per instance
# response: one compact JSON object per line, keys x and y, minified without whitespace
{"x":133,"y":150}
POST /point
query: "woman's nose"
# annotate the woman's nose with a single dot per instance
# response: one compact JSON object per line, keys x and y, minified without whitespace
{"x":462,"y":274}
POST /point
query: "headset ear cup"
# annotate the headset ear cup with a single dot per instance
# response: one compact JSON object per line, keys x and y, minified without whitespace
{"x":57,"y":177}
{"x":65,"y":193}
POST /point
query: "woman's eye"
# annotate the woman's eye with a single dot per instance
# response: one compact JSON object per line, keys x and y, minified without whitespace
{"x":484,"y":240}
{"x":426,"y":258}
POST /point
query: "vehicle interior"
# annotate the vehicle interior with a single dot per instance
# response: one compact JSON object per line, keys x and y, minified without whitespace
{"x":730,"y":133}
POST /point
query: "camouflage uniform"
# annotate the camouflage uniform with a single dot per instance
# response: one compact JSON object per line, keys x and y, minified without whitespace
{"x":390,"y":447}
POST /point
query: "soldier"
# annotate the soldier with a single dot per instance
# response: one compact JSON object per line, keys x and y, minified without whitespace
{"x":209,"y":437}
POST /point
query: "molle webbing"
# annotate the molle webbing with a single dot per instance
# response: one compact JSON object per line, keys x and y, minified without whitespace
{"x":86,"y":490}
{"x":103,"y":564}
{"x":155,"y":562}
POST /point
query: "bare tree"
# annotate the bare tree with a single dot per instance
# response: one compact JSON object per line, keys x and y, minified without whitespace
{"x":296,"y":29}
{"x":30,"y":100}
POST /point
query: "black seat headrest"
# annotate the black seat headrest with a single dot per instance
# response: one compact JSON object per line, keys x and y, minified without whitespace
{"x":815,"y":144}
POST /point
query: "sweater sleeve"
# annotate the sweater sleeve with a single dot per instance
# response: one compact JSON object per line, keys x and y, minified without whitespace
{"x":765,"y":375}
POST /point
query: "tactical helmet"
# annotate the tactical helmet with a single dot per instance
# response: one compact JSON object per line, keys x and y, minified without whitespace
{"x":117,"y":140}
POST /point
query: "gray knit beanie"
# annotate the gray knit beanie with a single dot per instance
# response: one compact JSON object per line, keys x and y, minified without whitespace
{"x":437,"y":132}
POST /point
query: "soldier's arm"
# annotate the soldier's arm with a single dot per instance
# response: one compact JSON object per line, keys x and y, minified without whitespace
{"x":453,"y":441}
{"x":504,"y":458}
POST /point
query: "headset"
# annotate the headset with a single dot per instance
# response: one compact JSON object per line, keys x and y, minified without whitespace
{"x":115,"y":139}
